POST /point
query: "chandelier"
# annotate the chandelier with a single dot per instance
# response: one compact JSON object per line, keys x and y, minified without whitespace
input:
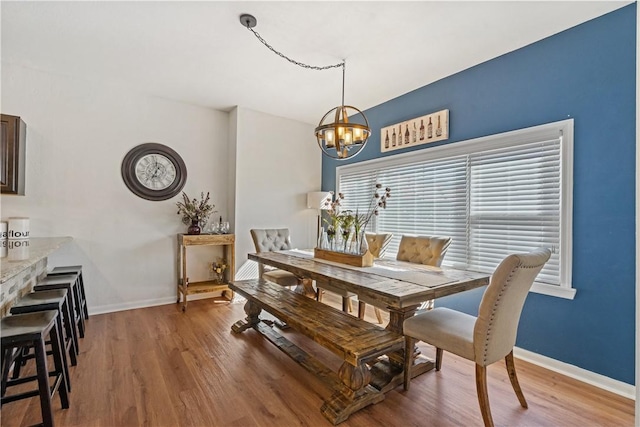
{"x":344,"y":130}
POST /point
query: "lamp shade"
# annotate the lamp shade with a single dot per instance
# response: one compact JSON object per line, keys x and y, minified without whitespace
{"x":318,"y":199}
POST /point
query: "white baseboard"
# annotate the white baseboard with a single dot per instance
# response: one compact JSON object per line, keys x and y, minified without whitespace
{"x":572,"y":371}
{"x":112,"y":308}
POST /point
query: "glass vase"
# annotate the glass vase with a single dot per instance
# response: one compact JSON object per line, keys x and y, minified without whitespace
{"x":345,"y":241}
{"x":364,"y":245}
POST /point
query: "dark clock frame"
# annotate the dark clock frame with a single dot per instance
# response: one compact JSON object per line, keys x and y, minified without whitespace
{"x":131,"y":180}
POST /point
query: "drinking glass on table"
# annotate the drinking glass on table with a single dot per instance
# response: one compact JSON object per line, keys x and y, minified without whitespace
{"x":214,"y":227}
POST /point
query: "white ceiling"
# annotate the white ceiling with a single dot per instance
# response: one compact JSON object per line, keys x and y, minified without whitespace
{"x":199,"y":53}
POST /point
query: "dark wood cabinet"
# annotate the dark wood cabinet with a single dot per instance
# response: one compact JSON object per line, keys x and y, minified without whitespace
{"x":12,"y":154}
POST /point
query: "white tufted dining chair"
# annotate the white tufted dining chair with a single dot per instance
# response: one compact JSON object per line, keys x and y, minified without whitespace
{"x":276,"y":239}
{"x":378,"y":243}
{"x":425,"y":250}
{"x":484,"y":339}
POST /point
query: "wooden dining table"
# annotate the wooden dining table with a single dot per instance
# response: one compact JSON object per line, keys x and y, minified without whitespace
{"x":397,"y":286}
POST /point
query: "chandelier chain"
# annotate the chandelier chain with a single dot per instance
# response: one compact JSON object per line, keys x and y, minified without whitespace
{"x":300,"y":64}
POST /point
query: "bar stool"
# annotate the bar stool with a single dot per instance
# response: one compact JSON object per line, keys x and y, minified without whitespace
{"x":70,"y":283}
{"x":30,"y":330}
{"x":55,"y":299}
{"x":73,"y":269}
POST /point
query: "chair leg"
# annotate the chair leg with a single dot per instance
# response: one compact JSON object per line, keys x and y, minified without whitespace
{"x":345,"y":304}
{"x":20,"y":361}
{"x":60,"y":364}
{"x":378,"y":314}
{"x":43,"y":383}
{"x":349,"y":304}
{"x":409,"y":343}
{"x":483,"y":395}
{"x":362,"y":307}
{"x":438,"y":358}
{"x":7,"y":358}
{"x":511,"y":370}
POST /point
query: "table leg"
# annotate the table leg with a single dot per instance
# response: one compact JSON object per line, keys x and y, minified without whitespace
{"x":305,"y":287}
{"x":387,"y":372}
{"x":352,"y":395}
{"x":252,"y":310}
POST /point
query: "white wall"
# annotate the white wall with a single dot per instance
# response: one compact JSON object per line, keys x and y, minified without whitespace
{"x":277,"y":163}
{"x":77,"y":134}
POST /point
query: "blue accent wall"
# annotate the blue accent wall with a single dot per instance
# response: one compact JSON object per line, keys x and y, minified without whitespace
{"x":586,"y":73}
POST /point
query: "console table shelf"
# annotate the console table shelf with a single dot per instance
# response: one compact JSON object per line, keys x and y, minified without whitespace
{"x":186,"y":287}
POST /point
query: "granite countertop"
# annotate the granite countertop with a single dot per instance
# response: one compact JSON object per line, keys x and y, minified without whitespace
{"x":39,"y":248}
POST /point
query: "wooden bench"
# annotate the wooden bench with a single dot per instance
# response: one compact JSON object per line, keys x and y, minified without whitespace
{"x":354,"y":340}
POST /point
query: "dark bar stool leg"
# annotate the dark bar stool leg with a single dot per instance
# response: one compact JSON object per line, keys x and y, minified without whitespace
{"x":7,"y":357}
{"x":78,"y":304}
{"x":19,"y":361}
{"x":59,"y":361}
{"x":43,"y":383}
{"x":83,"y":295}
{"x":61,"y":354}
{"x":67,"y":318}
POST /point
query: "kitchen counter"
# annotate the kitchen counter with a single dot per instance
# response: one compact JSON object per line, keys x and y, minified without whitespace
{"x":17,"y":277}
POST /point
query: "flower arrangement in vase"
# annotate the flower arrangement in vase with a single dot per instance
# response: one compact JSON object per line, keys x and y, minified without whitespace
{"x":195,"y":213}
{"x":217,"y":269}
{"x":351,"y":227}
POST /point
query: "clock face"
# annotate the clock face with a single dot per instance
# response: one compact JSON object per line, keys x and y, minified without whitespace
{"x":154,"y":171}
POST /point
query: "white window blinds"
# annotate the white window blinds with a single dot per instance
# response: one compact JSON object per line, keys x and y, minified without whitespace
{"x":515,"y":205}
{"x":495,"y":197}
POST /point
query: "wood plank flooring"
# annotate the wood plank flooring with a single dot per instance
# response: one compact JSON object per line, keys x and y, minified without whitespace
{"x":161,"y":367}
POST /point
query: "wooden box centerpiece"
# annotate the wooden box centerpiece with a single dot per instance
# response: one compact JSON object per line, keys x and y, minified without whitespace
{"x":365,"y":260}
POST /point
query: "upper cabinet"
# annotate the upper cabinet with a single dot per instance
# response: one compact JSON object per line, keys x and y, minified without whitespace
{"x":12,"y":155}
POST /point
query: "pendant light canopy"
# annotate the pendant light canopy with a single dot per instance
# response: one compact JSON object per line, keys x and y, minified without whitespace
{"x":343,"y":132}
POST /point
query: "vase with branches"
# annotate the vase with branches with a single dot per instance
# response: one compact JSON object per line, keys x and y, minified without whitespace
{"x":332,"y":208}
{"x":195,"y":213}
{"x":378,"y":201}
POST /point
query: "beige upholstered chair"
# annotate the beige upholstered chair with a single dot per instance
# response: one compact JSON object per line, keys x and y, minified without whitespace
{"x":490,"y":336}
{"x":267,"y":240}
{"x":425,"y":250}
{"x":378,"y":243}
{"x":377,"y":246}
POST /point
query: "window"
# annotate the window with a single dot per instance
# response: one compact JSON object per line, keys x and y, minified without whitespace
{"x":494,"y":195}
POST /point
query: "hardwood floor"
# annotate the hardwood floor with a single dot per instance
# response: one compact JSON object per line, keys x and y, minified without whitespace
{"x":161,"y":367}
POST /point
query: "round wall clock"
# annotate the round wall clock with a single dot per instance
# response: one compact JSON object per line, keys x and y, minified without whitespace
{"x":154,"y":171}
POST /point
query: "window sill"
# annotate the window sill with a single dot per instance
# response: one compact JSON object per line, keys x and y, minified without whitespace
{"x":554,"y":291}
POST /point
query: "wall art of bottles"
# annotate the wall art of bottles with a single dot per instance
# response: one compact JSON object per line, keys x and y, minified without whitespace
{"x":421,"y":130}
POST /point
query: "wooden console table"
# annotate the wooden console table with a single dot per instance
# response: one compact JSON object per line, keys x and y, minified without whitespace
{"x":185,"y":287}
